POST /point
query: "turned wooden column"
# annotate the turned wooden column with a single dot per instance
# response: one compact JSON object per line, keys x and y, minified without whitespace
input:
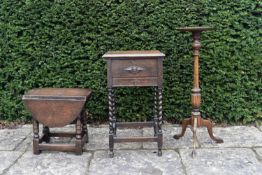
{"x":196,"y":120}
{"x":36,"y":137}
{"x":84,"y":125}
{"x":79,"y":149}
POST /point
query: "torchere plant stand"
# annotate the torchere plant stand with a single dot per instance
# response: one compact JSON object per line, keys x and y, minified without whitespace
{"x":135,"y":69}
{"x":196,"y":120}
{"x":58,"y":107}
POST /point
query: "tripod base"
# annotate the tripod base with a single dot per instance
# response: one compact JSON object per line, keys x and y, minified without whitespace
{"x":200,"y":122}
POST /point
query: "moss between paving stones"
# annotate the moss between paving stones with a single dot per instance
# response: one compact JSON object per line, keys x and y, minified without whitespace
{"x":60,"y":44}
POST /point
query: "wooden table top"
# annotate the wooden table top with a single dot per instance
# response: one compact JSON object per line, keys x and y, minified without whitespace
{"x":133,"y":54}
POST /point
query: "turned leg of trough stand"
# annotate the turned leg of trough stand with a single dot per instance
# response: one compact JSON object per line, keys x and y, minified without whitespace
{"x":78,"y":143}
{"x":36,"y":149}
{"x":84,"y":124}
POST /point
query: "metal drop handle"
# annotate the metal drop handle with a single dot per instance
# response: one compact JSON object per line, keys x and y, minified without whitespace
{"x":134,"y":69}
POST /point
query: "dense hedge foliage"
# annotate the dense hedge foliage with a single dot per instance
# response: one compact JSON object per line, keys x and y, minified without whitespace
{"x":59,"y":43}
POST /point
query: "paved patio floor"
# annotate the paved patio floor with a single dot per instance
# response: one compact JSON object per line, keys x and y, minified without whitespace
{"x":240,"y":154}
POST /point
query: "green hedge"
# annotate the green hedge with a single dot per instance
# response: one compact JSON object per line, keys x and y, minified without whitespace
{"x":59,"y":43}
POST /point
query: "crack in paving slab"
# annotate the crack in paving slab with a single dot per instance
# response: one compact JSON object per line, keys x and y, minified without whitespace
{"x":136,"y":162}
{"x":89,"y":161}
{"x":56,"y":163}
{"x":239,"y":161}
{"x":24,"y":144}
{"x":183,"y":166}
{"x":168,"y":141}
{"x":234,"y":136}
{"x":98,"y":138}
{"x":11,"y":138}
{"x":8,"y":158}
{"x":258,"y":152}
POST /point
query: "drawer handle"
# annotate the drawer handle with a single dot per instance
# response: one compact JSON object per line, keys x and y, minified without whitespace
{"x":134,"y":69}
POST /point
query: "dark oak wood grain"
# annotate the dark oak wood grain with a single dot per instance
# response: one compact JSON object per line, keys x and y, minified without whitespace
{"x":58,"y":107}
{"x":135,"y":69}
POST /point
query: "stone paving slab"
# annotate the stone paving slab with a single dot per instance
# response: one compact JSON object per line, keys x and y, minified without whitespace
{"x":168,"y":141}
{"x":25,"y":145}
{"x":7,"y":159}
{"x":11,"y":138}
{"x":259,"y":153}
{"x":136,"y":163}
{"x":26,"y":126}
{"x":98,"y":138}
{"x":234,"y":136}
{"x":237,"y":161}
{"x":241,"y":153}
{"x":56,"y":163}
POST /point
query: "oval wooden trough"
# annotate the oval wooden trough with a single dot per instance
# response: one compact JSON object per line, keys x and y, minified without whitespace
{"x":56,"y":107}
